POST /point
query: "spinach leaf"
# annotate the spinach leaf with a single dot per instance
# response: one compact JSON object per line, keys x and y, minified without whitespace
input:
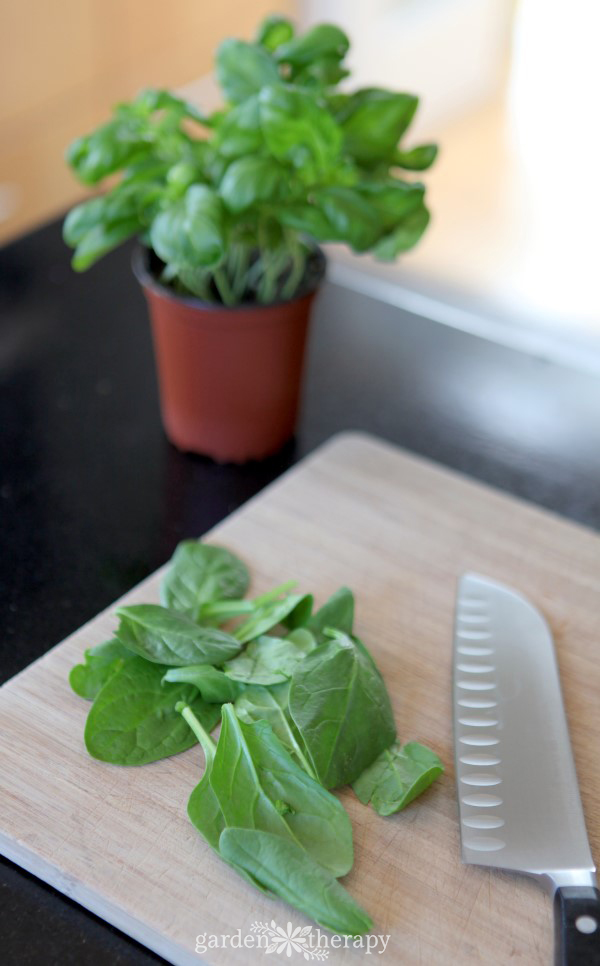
{"x":203,"y":807}
{"x":258,"y":785}
{"x":101,"y":662}
{"x":257,"y":703}
{"x":168,"y":637}
{"x":214,"y":686}
{"x":289,"y":872}
{"x":271,"y":660}
{"x":133,"y":719}
{"x":337,"y":612}
{"x":340,"y":705}
{"x":199,"y":573}
{"x":397,"y":776}
{"x":293,"y":610}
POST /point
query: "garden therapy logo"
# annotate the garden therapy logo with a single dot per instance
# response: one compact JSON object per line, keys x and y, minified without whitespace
{"x":308,"y":942}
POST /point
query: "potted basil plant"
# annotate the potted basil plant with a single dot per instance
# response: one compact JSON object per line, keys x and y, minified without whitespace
{"x":230,"y":209}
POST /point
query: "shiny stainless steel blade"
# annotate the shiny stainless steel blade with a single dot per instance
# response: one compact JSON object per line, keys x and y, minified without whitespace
{"x":517,"y":788}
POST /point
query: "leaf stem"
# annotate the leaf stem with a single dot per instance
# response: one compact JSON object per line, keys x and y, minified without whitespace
{"x":300,"y":755}
{"x":226,"y":608}
{"x":208,"y":745}
{"x":273,"y":594}
{"x":223,"y":287}
{"x":298,"y":256}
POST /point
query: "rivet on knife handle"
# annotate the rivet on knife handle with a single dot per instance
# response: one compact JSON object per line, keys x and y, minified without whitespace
{"x":577,"y":921}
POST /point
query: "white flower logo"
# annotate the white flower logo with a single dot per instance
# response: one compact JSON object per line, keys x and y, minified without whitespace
{"x":290,"y":940}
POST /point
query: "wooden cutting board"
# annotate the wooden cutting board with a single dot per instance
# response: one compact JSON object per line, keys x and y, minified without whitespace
{"x":399,"y":531}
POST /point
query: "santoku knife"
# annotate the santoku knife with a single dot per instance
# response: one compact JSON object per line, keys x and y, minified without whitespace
{"x":517,"y":789}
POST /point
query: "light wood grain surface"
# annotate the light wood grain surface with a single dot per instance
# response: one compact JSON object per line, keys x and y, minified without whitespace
{"x":399,"y":531}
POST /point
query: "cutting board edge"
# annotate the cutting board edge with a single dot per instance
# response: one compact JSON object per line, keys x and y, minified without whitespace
{"x":105,"y":910}
{"x":340,"y":439}
{"x":441,"y":469}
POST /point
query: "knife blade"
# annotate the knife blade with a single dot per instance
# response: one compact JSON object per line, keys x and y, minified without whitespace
{"x":519,"y":803}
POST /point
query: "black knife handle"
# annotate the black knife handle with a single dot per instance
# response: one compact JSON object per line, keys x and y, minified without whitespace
{"x":577,"y":926}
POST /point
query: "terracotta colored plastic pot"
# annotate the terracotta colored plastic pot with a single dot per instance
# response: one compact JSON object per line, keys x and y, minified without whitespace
{"x":229,"y":378}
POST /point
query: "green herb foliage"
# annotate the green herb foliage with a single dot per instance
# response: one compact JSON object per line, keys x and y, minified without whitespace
{"x":101,"y":662}
{"x":302,"y":703}
{"x":340,"y":705}
{"x":286,"y":870}
{"x":257,"y":703}
{"x":294,"y":610}
{"x":275,"y":797}
{"x":168,"y":637}
{"x":233,"y":202}
{"x":200,"y":573}
{"x":271,"y":660}
{"x":258,"y":785}
{"x":214,"y":686}
{"x":337,"y":612}
{"x":133,"y":719}
{"x":397,"y":776}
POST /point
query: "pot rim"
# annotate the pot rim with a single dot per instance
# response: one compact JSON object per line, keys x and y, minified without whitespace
{"x":141,"y":270}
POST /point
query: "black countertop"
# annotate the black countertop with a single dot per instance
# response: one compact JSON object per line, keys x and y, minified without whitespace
{"x":93,"y":498}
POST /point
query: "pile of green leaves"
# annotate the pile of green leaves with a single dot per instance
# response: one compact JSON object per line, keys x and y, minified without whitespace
{"x":303,"y":710}
{"x":232,"y":203}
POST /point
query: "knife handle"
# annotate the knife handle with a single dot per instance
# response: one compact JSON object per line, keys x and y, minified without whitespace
{"x":577,"y":925}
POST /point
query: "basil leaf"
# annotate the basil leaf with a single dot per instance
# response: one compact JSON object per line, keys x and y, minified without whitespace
{"x":101,"y":662}
{"x":81,"y":219}
{"x":243,"y":69}
{"x":290,"y":873}
{"x":238,"y":132}
{"x":102,"y":239}
{"x":296,"y":129}
{"x":353,"y":219}
{"x":397,"y":777}
{"x":214,"y":686}
{"x":274,"y":794}
{"x":373,"y":121}
{"x":253,"y":179}
{"x":110,"y":147}
{"x":191,"y":230}
{"x":168,"y":637}
{"x":337,"y":612}
{"x":404,"y":237}
{"x":199,"y":573}
{"x":323,"y":42}
{"x":306,"y":219}
{"x":340,"y":705}
{"x":393,"y":199}
{"x":274,"y":31}
{"x":271,"y":660}
{"x":417,"y":159}
{"x":133,"y":719}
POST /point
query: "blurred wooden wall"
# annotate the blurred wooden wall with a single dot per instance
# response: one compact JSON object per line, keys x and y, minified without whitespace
{"x":64,"y":64}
